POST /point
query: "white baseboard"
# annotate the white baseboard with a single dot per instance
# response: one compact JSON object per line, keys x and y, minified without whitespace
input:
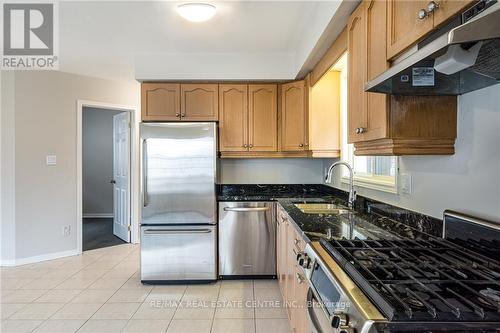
{"x":34,"y":259}
{"x":97,"y":216}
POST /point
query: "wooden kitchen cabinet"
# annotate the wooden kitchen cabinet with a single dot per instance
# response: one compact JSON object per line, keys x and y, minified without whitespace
{"x":160,"y":101}
{"x":405,"y":27}
{"x":356,"y":64}
{"x":263,"y":117}
{"x":248,"y":118}
{"x":380,"y":124}
{"x":291,"y":278}
{"x":233,"y":118}
{"x":200,"y":102}
{"x":294,"y":117}
{"x":175,"y":101}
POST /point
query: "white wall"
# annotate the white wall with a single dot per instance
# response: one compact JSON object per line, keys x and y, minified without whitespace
{"x":45,"y":123}
{"x":270,"y":171}
{"x":97,"y":161}
{"x":468,"y":181}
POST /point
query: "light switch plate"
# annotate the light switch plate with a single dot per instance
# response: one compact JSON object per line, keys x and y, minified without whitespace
{"x":51,"y":160}
{"x":406,"y":183}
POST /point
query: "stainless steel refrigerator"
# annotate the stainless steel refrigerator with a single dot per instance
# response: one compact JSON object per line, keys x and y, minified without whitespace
{"x":178,"y":218}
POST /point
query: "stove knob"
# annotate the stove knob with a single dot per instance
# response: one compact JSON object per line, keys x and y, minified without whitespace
{"x":340,"y":320}
{"x":306,"y":263}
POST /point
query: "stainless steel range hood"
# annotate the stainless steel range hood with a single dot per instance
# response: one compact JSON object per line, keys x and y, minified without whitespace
{"x":458,"y":61}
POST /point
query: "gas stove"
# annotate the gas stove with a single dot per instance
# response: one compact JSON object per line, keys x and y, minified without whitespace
{"x":447,"y":284}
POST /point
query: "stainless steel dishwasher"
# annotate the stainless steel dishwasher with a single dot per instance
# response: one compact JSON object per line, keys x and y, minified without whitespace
{"x":247,"y":239}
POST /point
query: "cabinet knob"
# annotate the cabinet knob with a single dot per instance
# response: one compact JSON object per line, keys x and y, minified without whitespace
{"x":177,"y":114}
{"x":301,"y":145}
{"x":245,"y":146}
{"x":183,"y":115}
{"x":432,"y":6}
{"x":250,"y":146}
{"x":422,"y":14}
{"x":300,"y":278}
{"x":360,"y":130}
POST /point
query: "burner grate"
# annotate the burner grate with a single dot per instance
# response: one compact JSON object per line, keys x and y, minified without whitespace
{"x":422,"y":279}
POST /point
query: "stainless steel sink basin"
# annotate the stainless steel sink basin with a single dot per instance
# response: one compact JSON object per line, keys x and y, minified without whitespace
{"x":322,"y":208}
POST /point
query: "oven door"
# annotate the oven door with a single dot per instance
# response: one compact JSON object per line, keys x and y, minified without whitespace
{"x":317,"y":320}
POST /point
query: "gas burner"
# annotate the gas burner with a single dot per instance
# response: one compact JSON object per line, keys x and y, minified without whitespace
{"x":491,"y":297}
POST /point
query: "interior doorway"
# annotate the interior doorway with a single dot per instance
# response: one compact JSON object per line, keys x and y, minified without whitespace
{"x":105,"y":180}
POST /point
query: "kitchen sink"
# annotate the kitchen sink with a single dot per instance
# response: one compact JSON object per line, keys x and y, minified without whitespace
{"x":322,"y":208}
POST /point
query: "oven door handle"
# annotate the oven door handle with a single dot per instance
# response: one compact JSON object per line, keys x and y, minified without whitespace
{"x":310,"y":312}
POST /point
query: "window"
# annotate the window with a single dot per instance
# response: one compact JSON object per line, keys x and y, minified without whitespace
{"x":376,"y":172}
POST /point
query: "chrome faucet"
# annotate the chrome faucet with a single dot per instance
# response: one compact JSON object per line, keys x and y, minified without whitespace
{"x":352,"y":193}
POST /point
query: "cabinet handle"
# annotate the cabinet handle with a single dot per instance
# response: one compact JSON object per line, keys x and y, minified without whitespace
{"x":300,"y":278}
{"x":422,"y":14}
{"x":250,"y":146}
{"x":301,"y":145}
{"x":177,"y":114}
{"x":245,"y":146}
{"x":183,"y":115}
{"x":296,"y":241}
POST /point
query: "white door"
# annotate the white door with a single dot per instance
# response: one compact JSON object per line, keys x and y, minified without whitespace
{"x":121,"y":176}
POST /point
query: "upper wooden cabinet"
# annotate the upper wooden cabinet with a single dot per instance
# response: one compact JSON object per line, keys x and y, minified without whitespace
{"x":248,"y":118}
{"x":199,"y":102}
{"x":406,"y":27}
{"x":294,"y":117}
{"x":160,"y":101}
{"x":174,"y":101}
{"x":263,"y":117}
{"x":233,"y":117}
{"x":381,"y":124}
{"x":356,"y":64}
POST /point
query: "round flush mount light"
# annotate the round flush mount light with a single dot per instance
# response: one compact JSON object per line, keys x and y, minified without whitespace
{"x":196,"y":12}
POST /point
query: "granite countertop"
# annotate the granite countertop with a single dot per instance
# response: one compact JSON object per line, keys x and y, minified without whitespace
{"x":356,"y":224}
{"x":370,"y":218}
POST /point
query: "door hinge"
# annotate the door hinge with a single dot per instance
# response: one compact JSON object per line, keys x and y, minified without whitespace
{"x":128,"y":227}
{"x":129,"y":125}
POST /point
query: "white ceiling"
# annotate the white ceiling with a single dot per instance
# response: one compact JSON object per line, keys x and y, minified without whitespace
{"x":147,"y":40}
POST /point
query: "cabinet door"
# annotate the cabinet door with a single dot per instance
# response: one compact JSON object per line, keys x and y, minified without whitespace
{"x":293,"y":117}
{"x":233,"y":118}
{"x":282,"y":253}
{"x":356,"y":67}
{"x":447,"y":9}
{"x":262,"y":117}
{"x":405,"y":28}
{"x":199,"y":102}
{"x":160,"y":101}
{"x":376,"y":63}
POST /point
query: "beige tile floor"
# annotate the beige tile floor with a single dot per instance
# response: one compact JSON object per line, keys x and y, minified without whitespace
{"x":100,"y":291}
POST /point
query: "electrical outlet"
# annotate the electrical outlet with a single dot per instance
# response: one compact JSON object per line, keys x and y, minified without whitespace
{"x":406,"y":183}
{"x":66,"y":230}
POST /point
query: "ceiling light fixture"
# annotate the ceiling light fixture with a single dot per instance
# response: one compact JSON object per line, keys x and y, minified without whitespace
{"x":196,"y":12}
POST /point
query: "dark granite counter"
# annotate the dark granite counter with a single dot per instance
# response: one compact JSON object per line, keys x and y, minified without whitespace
{"x":370,"y":218}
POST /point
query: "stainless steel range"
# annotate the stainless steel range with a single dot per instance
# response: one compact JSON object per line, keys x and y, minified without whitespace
{"x":447,"y":284}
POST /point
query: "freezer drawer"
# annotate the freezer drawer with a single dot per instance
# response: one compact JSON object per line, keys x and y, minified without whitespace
{"x":175,"y":253}
{"x":247,"y":238}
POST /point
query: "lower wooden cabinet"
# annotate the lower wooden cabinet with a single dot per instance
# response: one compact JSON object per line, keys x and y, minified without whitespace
{"x":292,"y":282}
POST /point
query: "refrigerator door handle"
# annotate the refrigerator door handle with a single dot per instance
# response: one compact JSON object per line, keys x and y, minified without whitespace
{"x":144,"y":173}
{"x":246,"y":209}
{"x":176,"y":231}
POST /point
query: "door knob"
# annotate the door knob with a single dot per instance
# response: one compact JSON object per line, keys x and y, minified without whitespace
{"x":112,"y":181}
